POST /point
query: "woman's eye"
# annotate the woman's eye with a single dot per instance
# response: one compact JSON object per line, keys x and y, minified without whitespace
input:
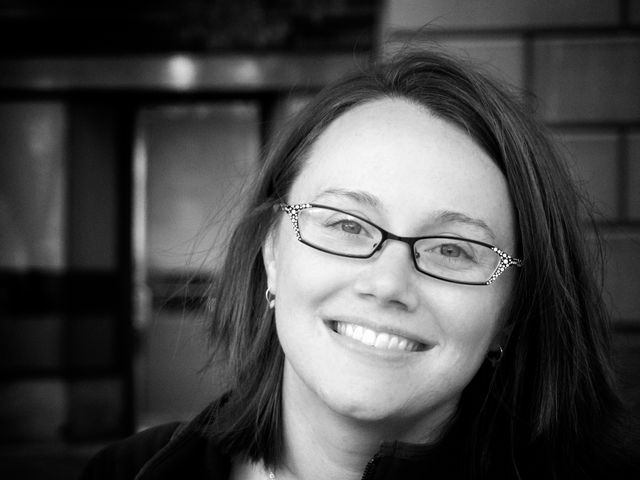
{"x":346,"y":226}
{"x":455,"y":252}
{"x":351,"y":227}
{"x":449,"y":250}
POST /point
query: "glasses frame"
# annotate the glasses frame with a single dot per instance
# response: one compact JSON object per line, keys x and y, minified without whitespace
{"x":505,"y":262}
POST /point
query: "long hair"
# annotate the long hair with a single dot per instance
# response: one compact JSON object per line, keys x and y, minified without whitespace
{"x":548,"y":402}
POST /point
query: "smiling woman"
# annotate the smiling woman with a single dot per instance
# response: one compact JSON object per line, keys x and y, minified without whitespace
{"x":450,"y":328}
{"x":469,"y":343}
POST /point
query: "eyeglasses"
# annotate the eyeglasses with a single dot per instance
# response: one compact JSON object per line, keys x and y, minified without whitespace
{"x":448,"y":258}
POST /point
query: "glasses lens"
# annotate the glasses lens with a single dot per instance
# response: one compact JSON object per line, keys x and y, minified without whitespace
{"x":338,"y":232}
{"x":456,"y":259}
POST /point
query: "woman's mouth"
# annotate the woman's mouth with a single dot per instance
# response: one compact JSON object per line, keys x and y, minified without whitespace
{"x":380,"y":340}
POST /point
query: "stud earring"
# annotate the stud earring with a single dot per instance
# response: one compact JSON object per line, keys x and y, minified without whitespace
{"x":495,"y":356}
{"x":271,"y":299}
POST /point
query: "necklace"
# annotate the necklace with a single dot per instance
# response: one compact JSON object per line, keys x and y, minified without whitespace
{"x":272,"y":475}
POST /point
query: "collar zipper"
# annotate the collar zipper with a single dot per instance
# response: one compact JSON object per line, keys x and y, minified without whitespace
{"x":368,"y":469}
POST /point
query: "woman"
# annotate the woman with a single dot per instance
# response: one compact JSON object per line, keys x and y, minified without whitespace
{"x":407,"y":295}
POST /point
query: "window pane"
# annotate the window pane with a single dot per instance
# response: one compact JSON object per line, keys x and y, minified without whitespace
{"x":198,"y":159}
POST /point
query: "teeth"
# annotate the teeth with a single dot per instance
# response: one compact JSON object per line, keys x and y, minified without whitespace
{"x":349,"y":330}
{"x":369,"y":337}
{"x":384,"y":341}
{"x":357,"y":333}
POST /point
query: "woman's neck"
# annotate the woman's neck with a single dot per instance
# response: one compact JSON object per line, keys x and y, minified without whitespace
{"x":321,"y":443}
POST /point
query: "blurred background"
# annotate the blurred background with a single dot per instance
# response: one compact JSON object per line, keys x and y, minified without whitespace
{"x":128,"y":131}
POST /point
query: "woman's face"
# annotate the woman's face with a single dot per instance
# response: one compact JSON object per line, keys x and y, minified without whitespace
{"x":393,"y":163}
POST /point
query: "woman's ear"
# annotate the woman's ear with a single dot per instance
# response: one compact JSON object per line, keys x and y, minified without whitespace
{"x":269,"y":258}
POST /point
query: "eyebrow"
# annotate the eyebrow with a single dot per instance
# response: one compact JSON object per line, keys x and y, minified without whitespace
{"x":443,"y":216}
{"x":356,"y":195}
{"x":448,"y":216}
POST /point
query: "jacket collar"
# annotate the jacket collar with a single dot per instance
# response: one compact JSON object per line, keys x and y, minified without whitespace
{"x":191,"y":453}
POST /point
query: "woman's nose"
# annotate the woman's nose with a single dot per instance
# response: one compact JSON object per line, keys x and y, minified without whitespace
{"x":389,"y":277}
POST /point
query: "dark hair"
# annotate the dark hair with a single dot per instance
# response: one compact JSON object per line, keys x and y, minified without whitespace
{"x":548,"y":406}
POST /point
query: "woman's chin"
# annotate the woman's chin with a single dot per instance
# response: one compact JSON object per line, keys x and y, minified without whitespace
{"x":364,"y":412}
{"x":391,"y":418}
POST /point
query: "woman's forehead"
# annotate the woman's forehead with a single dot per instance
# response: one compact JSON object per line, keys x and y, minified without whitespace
{"x":409,"y":160}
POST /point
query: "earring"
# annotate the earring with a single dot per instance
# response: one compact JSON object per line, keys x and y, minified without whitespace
{"x":495,"y":356}
{"x":271,"y":299}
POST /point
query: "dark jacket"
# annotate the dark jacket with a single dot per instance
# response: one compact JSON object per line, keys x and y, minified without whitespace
{"x":185,"y":451}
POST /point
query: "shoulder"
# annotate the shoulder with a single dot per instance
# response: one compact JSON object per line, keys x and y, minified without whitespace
{"x":124,"y":459}
{"x":173,"y":450}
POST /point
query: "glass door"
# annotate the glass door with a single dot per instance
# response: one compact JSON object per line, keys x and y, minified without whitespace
{"x":191,"y":164}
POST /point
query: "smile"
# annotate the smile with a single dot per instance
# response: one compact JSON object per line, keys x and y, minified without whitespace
{"x":380,"y":340}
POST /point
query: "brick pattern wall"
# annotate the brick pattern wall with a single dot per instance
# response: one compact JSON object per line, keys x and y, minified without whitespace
{"x":579,"y":63}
